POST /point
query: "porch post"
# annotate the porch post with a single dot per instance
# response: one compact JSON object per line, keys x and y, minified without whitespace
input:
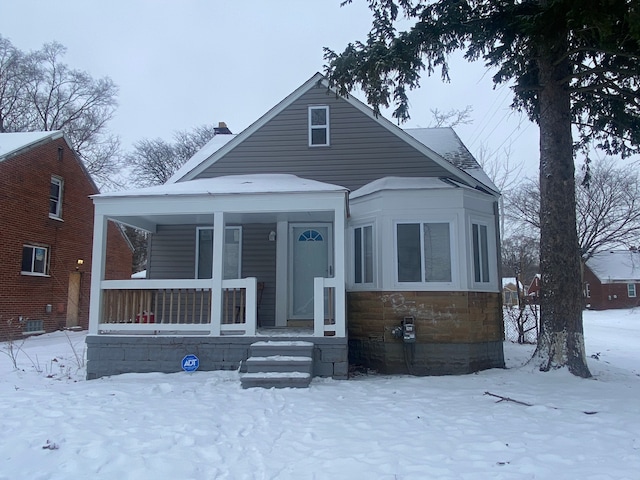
{"x":216,"y":273}
{"x":339,"y":269}
{"x":282,"y":262}
{"x":97,"y":271}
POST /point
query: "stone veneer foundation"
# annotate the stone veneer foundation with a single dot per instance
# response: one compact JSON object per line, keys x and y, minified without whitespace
{"x":456,"y":332}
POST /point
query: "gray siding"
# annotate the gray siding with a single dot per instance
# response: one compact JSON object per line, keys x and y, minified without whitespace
{"x":172,"y":252}
{"x":172,"y":256}
{"x":259,"y":260}
{"x":361,"y":150}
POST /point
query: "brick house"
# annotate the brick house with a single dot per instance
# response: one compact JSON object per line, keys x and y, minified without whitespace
{"x":321,"y":224}
{"x":46,"y":215}
{"x":612,"y":280}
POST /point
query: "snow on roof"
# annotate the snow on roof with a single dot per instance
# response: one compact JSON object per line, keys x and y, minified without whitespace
{"x":510,"y":281}
{"x":615,"y":266}
{"x":10,"y":142}
{"x":232,"y":184}
{"x":446,"y":143}
{"x":401,"y":183}
{"x":212,"y":146}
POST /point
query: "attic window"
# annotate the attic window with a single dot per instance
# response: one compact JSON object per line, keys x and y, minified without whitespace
{"x":319,"y":126}
{"x":55,"y":198}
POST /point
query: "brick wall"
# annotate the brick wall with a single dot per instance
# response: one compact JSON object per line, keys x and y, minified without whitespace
{"x":608,"y":295}
{"x":24,"y":215}
{"x":456,"y":332}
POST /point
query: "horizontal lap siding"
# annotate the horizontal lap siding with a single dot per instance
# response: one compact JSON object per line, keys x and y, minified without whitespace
{"x":259,"y":260}
{"x":172,"y":252}
{"x":361,"y":150}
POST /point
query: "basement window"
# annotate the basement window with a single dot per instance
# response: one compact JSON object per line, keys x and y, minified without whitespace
{"x":33,"y":326}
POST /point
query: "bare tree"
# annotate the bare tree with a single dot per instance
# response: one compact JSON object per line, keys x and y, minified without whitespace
{"x":505,"y":175}
{"x":607,"y":207}
{"x":452,"y":117}
{"x":153,"y":162}
{"x":38,"y":92}
{"x":521,"y":256}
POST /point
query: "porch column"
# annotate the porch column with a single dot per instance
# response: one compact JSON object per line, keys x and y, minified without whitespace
{"x":216,"y":273}
{"x":339,"y":269}
{"x":98,"y":256}
{"x":282,"y":261}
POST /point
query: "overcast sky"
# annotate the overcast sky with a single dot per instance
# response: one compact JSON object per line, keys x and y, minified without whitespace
{"x":184,"y":63}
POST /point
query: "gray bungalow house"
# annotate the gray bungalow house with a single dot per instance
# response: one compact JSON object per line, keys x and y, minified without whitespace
{"x":321,"y":236}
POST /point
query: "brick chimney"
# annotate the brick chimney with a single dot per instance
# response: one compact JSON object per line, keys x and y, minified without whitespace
{"x":222,"y":129}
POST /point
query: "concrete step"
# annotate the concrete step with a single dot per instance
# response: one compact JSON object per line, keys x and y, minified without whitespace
{"x":278,"y":364}
{"x":273,"y":347}
{"x":276,"y":380}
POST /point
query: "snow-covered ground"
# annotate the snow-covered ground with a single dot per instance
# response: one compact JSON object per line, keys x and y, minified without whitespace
{"x":56,"y":425}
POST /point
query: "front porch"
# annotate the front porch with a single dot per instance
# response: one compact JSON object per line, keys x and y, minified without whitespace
{"x":229,"y":257}
{"x":184,"y":307}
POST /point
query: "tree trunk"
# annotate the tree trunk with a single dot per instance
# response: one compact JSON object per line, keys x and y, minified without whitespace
{"x":561,"y":339}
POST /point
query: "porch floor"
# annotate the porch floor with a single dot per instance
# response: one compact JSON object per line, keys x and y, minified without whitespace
{"x":284,"y":332}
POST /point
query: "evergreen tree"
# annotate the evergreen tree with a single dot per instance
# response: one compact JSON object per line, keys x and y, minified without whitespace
{"x":570,"y":62}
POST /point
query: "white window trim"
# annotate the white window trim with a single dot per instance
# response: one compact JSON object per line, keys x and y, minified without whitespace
{"x":452,"y":255}
{"x":234,"y":227}
{"x":629,"y":285}
{"x":46,"y":261}
{"x":374,"y":266}
{"x":58,"y":214}
{"x":318,"y":127}
{"x":587,"y":290}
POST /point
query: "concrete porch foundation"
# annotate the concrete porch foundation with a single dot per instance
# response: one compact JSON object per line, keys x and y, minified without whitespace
{"x":116,"y":354}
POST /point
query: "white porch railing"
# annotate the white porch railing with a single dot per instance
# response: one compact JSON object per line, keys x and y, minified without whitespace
{"x":177,"y":306}
{"x":328,"y":320}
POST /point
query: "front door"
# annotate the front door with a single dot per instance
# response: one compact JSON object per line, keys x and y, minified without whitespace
{"x":310,"y":257}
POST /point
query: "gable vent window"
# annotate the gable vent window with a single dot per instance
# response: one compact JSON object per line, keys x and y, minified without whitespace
{"x":55,"y":198}
{"x":319,"y":126}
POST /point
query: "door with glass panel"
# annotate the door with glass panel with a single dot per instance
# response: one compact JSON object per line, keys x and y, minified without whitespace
{"x":310,"y":257}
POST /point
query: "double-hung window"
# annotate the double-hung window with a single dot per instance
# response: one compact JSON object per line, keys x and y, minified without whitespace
{"x":319,"y":126}
{"x":423,"y":252}
{"x":631,"y":290}
{"x":55,"y":198}
{"x":480,"y":253}
{"x":363,"y":254}
{"x":35,"y":260}
{"x":232,"y":252}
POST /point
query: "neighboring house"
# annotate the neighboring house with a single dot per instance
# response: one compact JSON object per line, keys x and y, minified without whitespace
{"x":533,"y":293}
{"x":510,"y":291}
{"x":612,"y":280}
{"x":46,"y":215}
{"x":321,"y":223}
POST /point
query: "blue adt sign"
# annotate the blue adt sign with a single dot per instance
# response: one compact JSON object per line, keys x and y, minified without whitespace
{"x":190,"y":363}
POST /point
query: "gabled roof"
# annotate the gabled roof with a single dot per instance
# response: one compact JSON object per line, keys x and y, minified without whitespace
{"x":616,"y":266}
{"x":13,"y":143}
{"x":458,"y":162}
